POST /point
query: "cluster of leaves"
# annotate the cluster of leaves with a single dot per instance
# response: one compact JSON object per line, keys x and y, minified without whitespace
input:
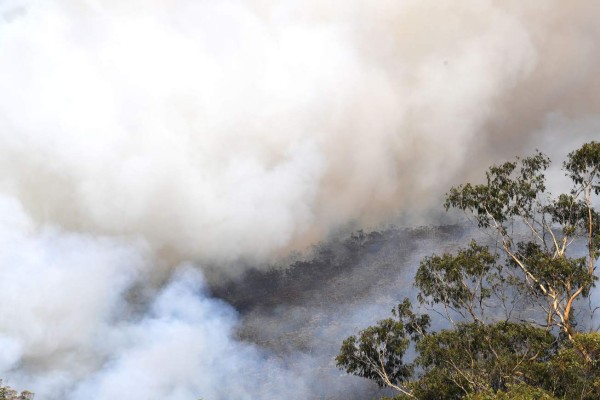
{"x":511,"y":307}
{"x":378,"y":352}
{"x":7,"y":393}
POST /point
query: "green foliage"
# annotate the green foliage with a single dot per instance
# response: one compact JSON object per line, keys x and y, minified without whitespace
{"x":521,"y":391}
{"x":481,"y":358}
{"x":461,"y":282}
{"x":377,"y":353}
{"x":583,"y":165}
{"x":568,"y":373}
{"x":7,"y":393}
{"x":509,"y":192}
{"x":488,"y":351}
{"x":563,"y":274}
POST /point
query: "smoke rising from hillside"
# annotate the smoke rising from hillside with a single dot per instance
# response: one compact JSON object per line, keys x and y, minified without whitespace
{"x":138,"y":136}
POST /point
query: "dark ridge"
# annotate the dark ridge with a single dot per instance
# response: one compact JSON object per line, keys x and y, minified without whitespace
{"x":301,"y":312}
{"x":339,"y":271}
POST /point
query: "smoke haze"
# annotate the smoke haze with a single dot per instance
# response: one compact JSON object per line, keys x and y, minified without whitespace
{"x":146,"y":146}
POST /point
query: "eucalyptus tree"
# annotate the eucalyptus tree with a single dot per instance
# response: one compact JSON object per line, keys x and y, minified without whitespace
{"x":511,"y":301}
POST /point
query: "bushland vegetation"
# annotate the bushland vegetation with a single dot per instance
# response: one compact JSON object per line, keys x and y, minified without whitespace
{"x":518,"y":310}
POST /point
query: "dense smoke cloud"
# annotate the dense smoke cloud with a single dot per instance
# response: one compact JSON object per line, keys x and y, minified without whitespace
{"x":139,"y":135}
{"x":194,"y":123}
{"x":67,"y":332}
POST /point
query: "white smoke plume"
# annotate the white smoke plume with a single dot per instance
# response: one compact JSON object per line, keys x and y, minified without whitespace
{"x":136,"y":136}
{"x":193,"y":123}
{"x":67,"y":332}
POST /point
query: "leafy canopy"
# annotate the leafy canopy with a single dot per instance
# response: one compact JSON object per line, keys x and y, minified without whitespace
{"x":513,"y":304}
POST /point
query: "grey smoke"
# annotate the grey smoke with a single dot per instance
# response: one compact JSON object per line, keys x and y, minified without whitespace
{"x":140,"y":138}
